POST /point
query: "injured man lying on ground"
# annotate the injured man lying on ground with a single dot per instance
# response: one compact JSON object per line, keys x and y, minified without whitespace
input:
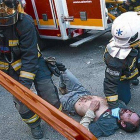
{"x":97,"y":117}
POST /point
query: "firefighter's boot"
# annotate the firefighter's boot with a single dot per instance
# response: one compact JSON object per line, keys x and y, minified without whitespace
{"x":135,"y":82}
{"x":37,"y":132}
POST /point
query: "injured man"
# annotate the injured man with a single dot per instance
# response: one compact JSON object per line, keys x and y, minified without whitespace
{"x":97,"y":117}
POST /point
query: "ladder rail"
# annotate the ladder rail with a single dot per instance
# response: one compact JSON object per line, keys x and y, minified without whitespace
{"x":65,"y":125}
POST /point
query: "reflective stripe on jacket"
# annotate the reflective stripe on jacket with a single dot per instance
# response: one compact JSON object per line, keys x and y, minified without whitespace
{"x":116,"y":70}
{"x":22,"y":41}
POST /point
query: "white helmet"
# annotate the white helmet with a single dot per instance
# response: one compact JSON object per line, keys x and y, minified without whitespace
{"x":125,"y":31}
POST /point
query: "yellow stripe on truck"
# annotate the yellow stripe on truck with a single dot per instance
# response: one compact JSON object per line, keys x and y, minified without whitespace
{"x":49,"y":22}
{"x":76,"y":22}
{"x":88,"y":22}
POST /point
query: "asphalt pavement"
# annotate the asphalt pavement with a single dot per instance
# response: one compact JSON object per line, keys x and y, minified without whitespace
{"x":86,"y":62}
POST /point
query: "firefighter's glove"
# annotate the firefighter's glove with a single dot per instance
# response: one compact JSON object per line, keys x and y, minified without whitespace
{"x":116,"y":113}
{"x":60,"y":66}
{"x":51,"y":62}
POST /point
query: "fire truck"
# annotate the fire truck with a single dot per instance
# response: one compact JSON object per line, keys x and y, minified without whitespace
{"x":65,"y":19}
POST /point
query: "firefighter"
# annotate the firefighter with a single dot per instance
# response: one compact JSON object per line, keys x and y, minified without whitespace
{"x":21,"y":59}
{"x":120,"y":58}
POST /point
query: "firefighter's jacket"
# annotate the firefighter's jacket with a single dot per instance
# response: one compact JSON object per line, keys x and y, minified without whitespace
{"x":116,"y":70}
{"x":18,"y":47}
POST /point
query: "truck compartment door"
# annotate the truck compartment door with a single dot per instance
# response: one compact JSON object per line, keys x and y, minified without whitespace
{"x":45,"y":14}
{"x":87,"y":14}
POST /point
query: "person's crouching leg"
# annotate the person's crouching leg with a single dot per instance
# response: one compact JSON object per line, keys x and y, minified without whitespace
{"x":30,"y":118}
{"x":47,"y":90}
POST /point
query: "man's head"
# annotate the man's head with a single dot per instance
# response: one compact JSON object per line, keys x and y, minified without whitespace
{"x":8,"y":12}
{"x":129,"y":120}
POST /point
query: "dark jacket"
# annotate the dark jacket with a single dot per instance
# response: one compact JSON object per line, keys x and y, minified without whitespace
{"x":21,"y":42}
{"x":116,"y":70}
{"x":106,"y":125}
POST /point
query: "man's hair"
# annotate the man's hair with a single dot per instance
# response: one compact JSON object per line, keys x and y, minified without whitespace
{"x":129,"y":127}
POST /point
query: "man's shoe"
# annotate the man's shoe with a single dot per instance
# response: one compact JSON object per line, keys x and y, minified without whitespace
{"x":37,"y":132}
{"x":63,"y":91}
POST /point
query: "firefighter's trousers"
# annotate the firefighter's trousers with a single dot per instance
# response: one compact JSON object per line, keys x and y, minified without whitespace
{"x":124,"y":93}
{"x":45,"y":89}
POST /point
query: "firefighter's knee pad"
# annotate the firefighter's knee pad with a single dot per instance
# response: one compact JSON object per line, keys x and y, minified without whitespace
{"x":47,"y":90}
{"x":28,"y":116}
{"x":20,"y":106}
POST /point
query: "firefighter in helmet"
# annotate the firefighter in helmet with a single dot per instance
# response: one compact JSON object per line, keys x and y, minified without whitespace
{"x":121,"y":58}
{"x":21,"y":59}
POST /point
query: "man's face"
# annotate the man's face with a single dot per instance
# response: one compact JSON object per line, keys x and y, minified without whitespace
{"x":129,"y":116}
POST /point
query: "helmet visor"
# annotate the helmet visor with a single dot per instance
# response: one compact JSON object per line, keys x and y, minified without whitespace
{"x":121,"y":41}
{"x":133,"y":38}
{"x":8,"y":15}
{"x":11,"y":3}
{"x":124,"y":41}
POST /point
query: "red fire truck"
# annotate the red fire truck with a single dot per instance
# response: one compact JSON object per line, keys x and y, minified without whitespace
{"x":65,"y":19}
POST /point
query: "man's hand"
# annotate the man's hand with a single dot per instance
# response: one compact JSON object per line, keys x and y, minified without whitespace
{"x":94,"y":105}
